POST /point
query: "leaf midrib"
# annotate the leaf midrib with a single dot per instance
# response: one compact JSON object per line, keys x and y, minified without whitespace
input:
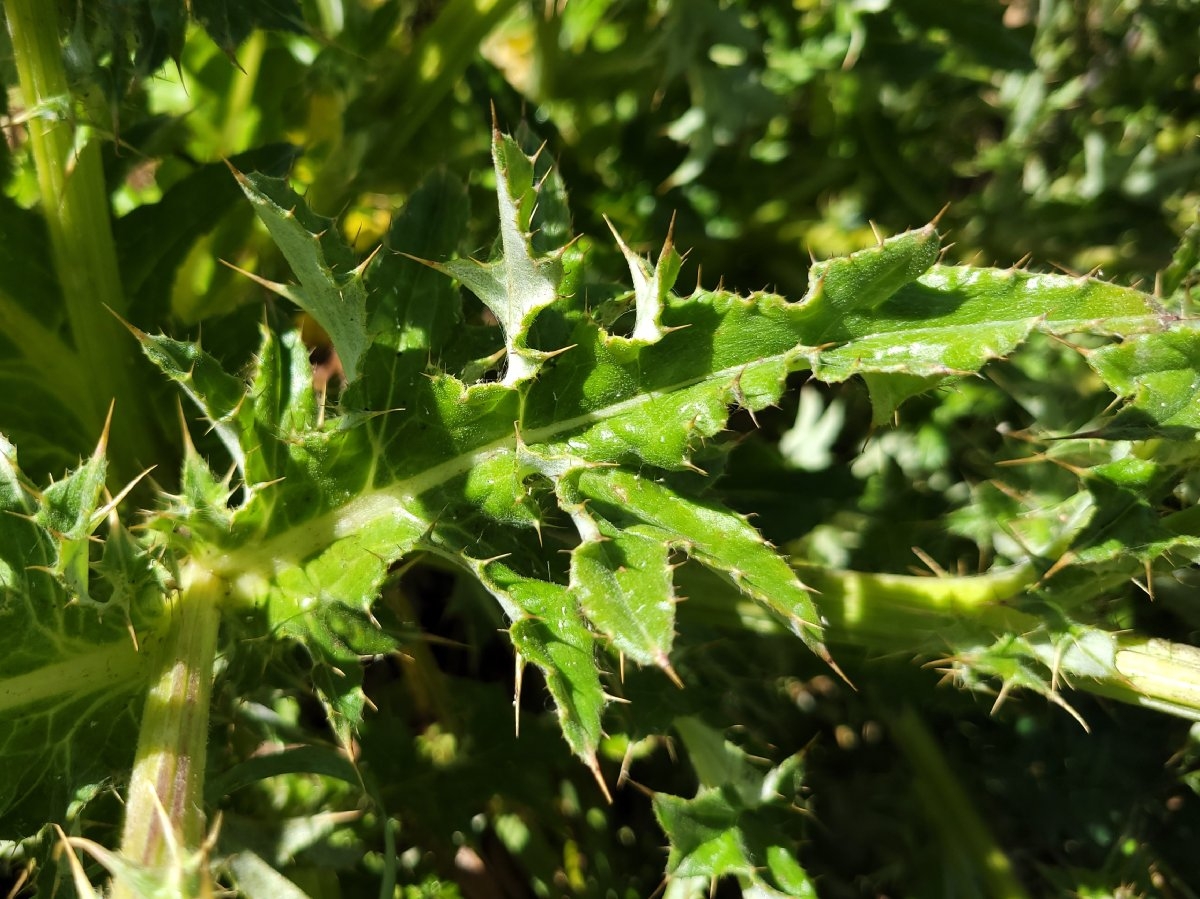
{"x":293,"y":546}
{"x":103,"y":668}
{"x":253,"y":567}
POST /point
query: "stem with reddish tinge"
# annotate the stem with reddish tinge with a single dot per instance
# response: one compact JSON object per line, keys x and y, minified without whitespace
{"x":167,"y":785}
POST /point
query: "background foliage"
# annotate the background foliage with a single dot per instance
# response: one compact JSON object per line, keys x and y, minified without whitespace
{"x":766,"y":132}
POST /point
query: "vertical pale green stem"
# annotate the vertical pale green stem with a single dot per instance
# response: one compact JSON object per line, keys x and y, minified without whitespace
{"x":75,"y":206}
{"x":168,"y":769}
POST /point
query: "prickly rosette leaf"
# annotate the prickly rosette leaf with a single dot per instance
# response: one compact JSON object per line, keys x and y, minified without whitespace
{"x":247,"y":419}
{"x":571,"y":489}
{"x":518,"y":282}
{"x":70,"y":511}
{"x":651,"y":287}
{"x":548,"y":632}
{"x":906,"y":339}
{"x":80,"y":644}
{"x":741,"y":823}
{"x":1158,"y":377}
{"x":331,"y":285}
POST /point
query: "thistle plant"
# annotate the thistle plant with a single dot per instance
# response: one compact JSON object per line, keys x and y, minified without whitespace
{"x":558,"y":441}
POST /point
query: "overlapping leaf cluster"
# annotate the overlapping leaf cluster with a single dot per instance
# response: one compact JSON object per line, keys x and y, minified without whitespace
{"x":581,"y":452}
{"x":546,"y":436}
{"x":569,"y":448}
{"x":116,"y":44}
{"x":553,"y":457}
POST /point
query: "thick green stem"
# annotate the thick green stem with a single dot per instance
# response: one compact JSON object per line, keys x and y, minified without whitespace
{"x":75,"y":205}
{"x":963,"y":618}
{"x":894,"y":612}
{"x":1157,"y":674}
{"x":898,"y":612}
{"x":164,"y":816}
{"x":890,"y":611}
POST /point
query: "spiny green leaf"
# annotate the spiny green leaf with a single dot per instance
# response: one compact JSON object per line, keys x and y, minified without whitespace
{"x":738,"y":823}
{"x":1158,"y":375}
{"x":953,"y":320}
{"x":256,"y":421}
{"x":282,"y":406}
{"x":548,"y":631}
{"x":718,"y":762}
{"x":718,"y":539}
{"x":331,"y":283}
{"x":132,"y":578}
{"x":550,"y":223}
{"x":218,"y":394}
{"x":651,"y":287}
{"x":703,"y":835}
{"x":847,"y":290}
{"x":622,"y":581}
{"x":890,"y":390}
{"x":421,"y":461}
{"x":71,"y":668}
{"x":68,"y":511}
{"x":1181,"y":274}
{"x":1126,"y":522}
{"x":412,"y":307}
{"x":519,"y":282}
{"x":202,"y":502}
